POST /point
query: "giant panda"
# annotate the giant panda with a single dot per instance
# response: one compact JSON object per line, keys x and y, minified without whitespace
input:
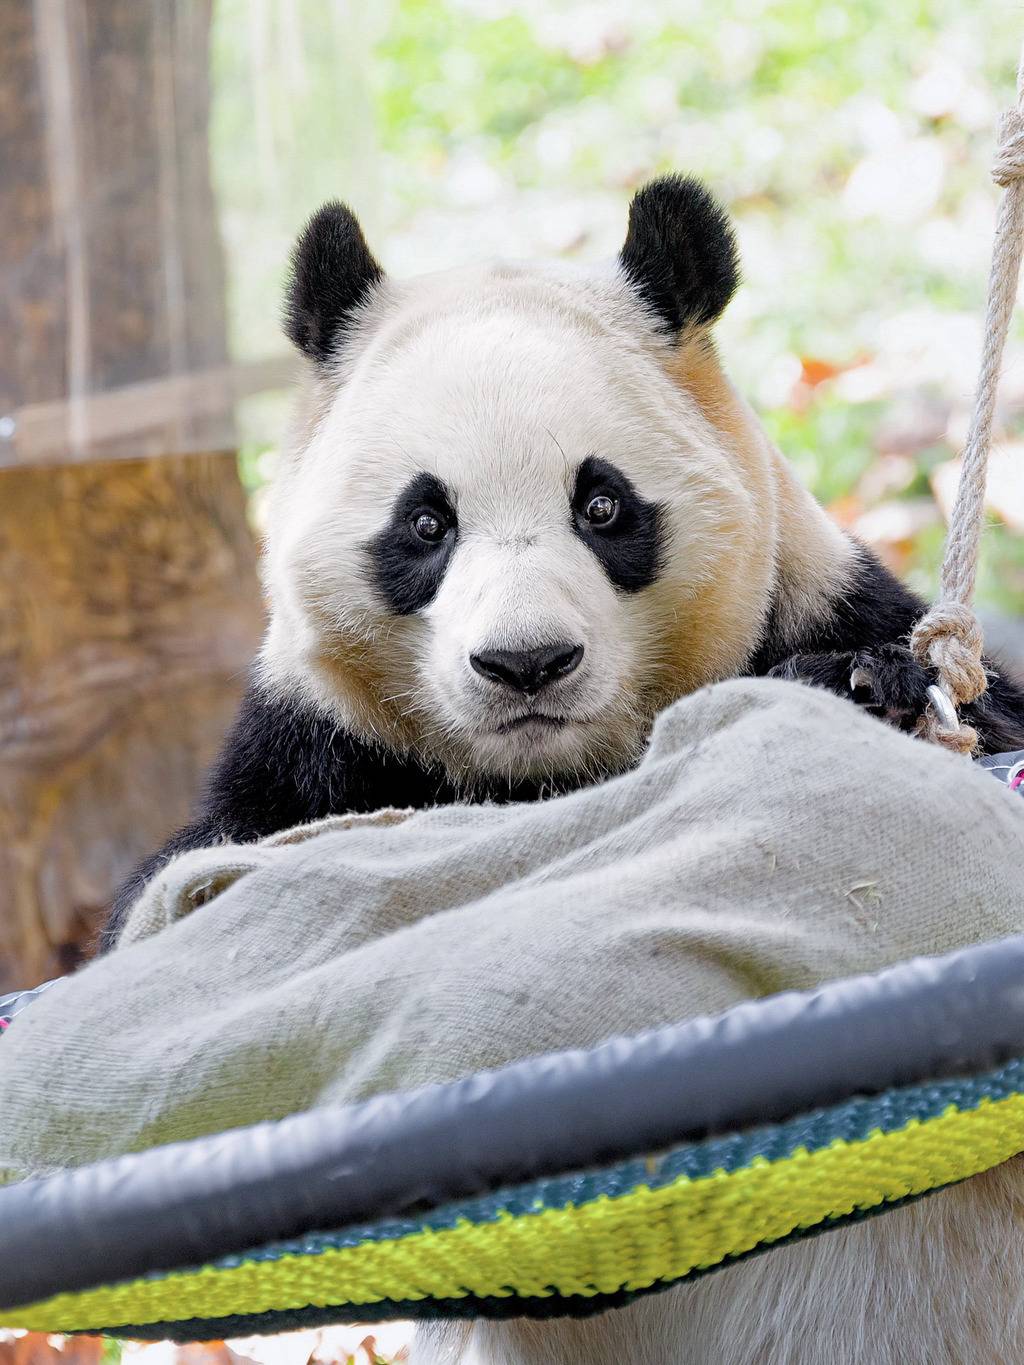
{"x":522,"y":510}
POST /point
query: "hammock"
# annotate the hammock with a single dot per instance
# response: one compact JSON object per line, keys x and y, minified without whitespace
{"x":576,"y":1181}
{"x":602,"y":1184}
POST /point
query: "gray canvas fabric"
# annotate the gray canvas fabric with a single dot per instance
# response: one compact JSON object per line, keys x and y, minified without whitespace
{"x":773,"y":838}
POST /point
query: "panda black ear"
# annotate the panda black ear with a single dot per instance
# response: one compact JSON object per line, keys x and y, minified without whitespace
{"x":680,"y":252}
{"x":332,"y":274}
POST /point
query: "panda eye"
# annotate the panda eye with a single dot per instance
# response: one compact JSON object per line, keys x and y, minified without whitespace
{"x":429,"y":526}
{"x":601,"y":510}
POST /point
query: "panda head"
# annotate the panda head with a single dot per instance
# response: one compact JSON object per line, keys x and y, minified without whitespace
{"x":519,"y":514}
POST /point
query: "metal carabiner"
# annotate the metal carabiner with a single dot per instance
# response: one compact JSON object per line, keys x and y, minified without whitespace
{"x":943,"y":707}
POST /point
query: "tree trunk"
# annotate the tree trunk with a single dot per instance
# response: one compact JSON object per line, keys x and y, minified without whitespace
{"x":129,"y":605}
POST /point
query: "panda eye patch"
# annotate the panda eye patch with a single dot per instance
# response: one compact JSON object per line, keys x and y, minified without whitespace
{"x":409,"y":556}
{"x":621,"y":528}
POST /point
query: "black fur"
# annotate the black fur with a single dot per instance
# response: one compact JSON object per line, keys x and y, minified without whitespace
{"x":630,"y":549}
{"x":865,"y":639}
{"x":406,"y":570}
{"x":680,"y":252}
{"x":285,"y":763}
{"x":332,"y":274}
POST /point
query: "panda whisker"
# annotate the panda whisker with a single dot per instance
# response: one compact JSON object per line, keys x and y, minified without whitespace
{"x":565,"y":458}
{"x":400,"y":696}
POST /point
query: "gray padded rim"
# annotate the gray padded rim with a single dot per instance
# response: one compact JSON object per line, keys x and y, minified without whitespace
{"x":760,"y":1062}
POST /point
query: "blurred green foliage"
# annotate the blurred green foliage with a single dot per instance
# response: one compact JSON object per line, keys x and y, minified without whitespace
{"x":851,"y":141}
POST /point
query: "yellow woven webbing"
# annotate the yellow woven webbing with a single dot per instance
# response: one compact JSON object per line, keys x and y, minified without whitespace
{"x":629,"y":1242}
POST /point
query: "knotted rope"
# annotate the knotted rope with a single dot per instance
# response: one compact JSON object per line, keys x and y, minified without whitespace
{"x":948,"y":637}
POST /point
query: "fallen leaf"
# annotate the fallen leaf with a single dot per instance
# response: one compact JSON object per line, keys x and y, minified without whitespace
{"x":814,"y":372}
{"x":36,"y":1348}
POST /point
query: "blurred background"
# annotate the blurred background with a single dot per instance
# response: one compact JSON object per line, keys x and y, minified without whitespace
{"x":157,"y":158}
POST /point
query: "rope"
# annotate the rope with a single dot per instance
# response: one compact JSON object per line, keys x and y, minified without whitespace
{"x":948,"y":638}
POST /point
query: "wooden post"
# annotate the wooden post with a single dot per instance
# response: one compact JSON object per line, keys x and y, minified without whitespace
{"x":129,"y":605}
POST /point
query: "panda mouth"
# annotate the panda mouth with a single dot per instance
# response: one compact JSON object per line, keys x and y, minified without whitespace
{"x":540,"y":718}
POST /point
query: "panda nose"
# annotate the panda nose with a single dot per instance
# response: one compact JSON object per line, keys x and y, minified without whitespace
{"x":527,"y":670}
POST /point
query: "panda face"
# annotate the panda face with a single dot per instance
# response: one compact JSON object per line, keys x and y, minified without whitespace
{"x":509,"y":554}
{"x":506,"y":534}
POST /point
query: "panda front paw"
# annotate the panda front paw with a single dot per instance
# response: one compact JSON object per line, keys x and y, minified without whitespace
{"x":887,"y":680}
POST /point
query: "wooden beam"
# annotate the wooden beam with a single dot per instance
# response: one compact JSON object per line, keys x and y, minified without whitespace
{"x":167,"y":416}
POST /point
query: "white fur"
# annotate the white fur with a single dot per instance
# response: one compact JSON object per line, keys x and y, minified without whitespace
{"x":500,"y":381}
{"x":934,"y":1283}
